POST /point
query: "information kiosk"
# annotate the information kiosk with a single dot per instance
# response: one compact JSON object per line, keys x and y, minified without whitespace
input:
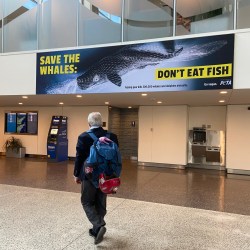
{"x":57,"y":142}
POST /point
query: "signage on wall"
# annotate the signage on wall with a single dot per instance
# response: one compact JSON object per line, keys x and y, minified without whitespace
{"x":21,"y":122}
{"x":185,"y":64}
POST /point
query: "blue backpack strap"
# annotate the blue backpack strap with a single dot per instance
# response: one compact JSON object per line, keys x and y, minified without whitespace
{"x":108,"y":135}
{"x":92,"y":135}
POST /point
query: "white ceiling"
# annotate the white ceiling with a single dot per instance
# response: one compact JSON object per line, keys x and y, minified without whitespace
{"x":123,"y":100}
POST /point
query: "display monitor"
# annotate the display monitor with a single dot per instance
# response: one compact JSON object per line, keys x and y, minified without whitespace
{"x":10,"y":119}
{"x":32,"y":123}
{"x":21,"y":123}
{"x":54,"y":131}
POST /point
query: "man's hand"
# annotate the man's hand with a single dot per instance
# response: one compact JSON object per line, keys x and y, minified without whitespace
{"x":77,"y":180}
{"x":104,"y":139}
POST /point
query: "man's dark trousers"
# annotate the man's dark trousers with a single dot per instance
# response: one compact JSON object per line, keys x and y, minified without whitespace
{"x":94,"y":204}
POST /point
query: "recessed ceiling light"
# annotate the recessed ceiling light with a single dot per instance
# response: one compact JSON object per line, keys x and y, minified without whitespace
{"x":222,"y":101}
{"x":159,"y":102}
{"x":223,"y":92}
{"x":129,"y":107}
{"x":107,"y":103}
{"x":25,"y":97}
{"x":20,"y":103}
{"x":78,"y":96}
{"x":144,"y":94}
{"x":61,"y":103}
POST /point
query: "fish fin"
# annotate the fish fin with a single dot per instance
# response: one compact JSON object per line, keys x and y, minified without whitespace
{"x":171,"y":48}
{"x":178,"y":51}
{"x":115,"y":78}
{"x":142,"y":67}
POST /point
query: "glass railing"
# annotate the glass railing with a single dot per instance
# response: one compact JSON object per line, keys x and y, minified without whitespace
{"x":242,"y":15}
{"x":99,"y":22}
{"x":47,"y":24}
{"x":194,"y":17}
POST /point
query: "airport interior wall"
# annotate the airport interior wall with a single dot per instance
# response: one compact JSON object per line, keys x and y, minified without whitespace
{"x":37,"y":144}
{"x":18,"y":77}
{"x":163,"y":134}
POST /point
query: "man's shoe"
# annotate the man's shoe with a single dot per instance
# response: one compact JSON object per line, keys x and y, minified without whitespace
{"x":91,"y":233}
{"x":99,"y":236}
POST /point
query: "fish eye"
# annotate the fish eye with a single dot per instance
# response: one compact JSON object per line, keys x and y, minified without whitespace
{"x":96,"y":78}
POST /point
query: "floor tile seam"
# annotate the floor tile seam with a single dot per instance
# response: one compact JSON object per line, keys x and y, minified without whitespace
{"x":123,"y":200}
{"x":72,"y":241}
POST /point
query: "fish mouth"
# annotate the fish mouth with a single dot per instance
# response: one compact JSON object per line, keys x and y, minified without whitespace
{"x":81,"y":84}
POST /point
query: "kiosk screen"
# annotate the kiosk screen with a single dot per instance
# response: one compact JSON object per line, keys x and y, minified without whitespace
{"x":54,"y":131}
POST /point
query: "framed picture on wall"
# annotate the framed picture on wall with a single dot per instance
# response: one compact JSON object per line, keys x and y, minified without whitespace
{"x":21,"y":122}
{"x":32,"y":123}
{"x":10,"y":120}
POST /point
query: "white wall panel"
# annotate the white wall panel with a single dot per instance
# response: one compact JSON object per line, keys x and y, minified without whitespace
{"x":241,"y":61}
{"x":238,"y":137}
{"x":145,"y":134}
{"x":18,"y":74}
{"x":163,"y":138}
{"x":170,"y":135}
{"x":210,"y":115}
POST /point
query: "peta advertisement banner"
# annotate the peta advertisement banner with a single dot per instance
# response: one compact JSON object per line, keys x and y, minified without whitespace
{"x":186,"y":64}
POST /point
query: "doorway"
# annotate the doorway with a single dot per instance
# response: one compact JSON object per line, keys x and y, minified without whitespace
{"x":124,"y":123}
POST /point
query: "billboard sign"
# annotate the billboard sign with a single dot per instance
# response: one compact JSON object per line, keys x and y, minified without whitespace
{"x":186,"y":64}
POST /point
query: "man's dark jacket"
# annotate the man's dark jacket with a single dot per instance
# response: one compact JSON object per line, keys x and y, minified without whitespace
{"x":83,"y":149}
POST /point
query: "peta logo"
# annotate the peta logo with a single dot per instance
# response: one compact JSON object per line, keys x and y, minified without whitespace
{"x":226,"y":83}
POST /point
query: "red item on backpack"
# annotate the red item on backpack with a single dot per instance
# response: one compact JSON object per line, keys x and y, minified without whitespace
{"x":109,"y":186}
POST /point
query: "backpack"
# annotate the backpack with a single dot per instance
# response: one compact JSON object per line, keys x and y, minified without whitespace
{"x":105,"y":163}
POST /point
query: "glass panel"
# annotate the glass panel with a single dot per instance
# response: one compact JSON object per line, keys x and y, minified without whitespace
{"x":202,"y":16}
{"x":99,"y":22}
{"x":12,"y":6}
{"x":1,"y":16}
{"x":58,"y":24}
{"x":147,"y":19}
{"x":20,"y":29}
{"x":243,"y":18}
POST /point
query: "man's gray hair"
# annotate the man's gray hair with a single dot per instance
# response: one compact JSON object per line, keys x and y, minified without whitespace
{"x":95,"y":119}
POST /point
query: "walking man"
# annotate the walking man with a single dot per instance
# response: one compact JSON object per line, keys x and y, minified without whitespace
{"x":93,"y":199}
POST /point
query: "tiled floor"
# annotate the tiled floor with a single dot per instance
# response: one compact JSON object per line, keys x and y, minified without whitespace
{"x":155,"y":208}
